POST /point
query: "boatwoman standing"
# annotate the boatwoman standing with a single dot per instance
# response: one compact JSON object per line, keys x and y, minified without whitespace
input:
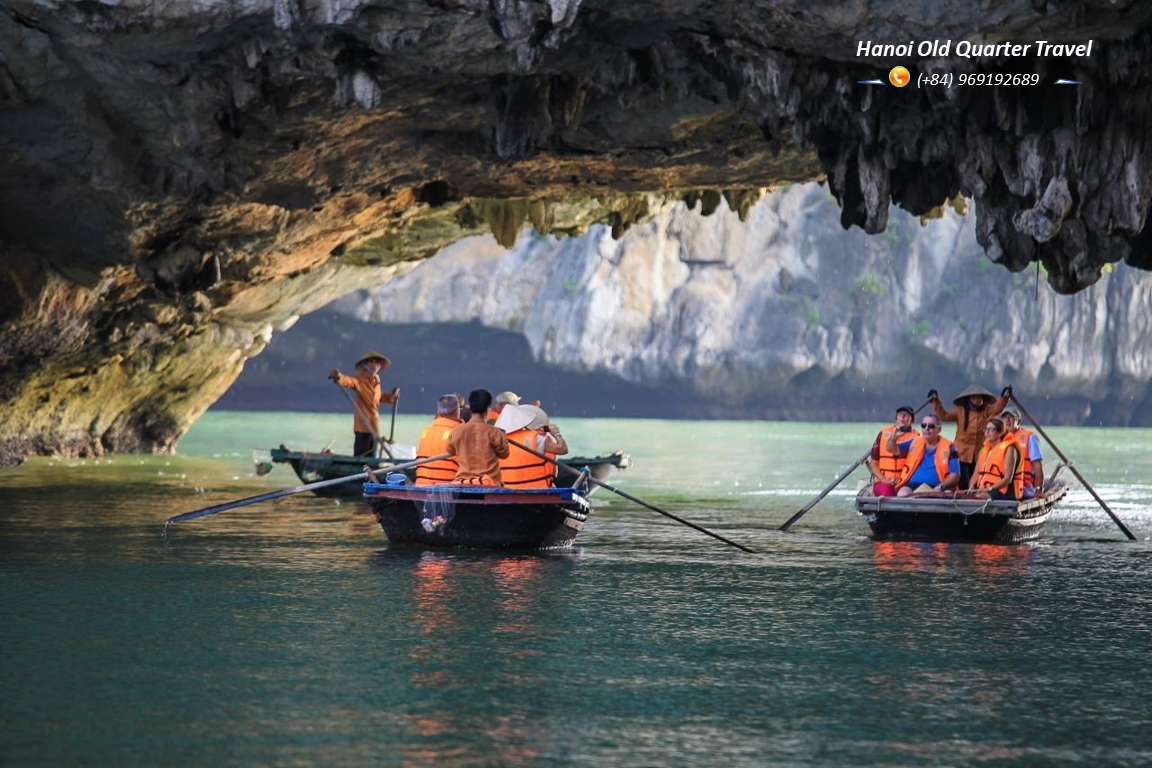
{"x":366,"y":399}
{"x":973,"y":408}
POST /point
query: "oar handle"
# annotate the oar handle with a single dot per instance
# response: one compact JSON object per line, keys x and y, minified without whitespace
{"x":1072,"y":466}
{"x":634,"y":499}
{"x":298,"y":489}
{"x":392,"y":429}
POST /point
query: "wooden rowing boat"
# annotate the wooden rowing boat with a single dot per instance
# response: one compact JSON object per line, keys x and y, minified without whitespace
{"x":943,"y":517}
{"x":476,"y":516}
{"x":313,"y":467}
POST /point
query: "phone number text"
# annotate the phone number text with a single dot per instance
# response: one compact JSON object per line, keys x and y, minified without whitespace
{"x":947,"y":79}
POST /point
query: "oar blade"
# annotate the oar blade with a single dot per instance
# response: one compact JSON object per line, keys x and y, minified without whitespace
{"x":1072,"y":466}
{"x":262,"y":497}
{"x":223,"y":507}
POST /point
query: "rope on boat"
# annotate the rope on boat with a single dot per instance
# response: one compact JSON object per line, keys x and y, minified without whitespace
{"x":978,"y":511}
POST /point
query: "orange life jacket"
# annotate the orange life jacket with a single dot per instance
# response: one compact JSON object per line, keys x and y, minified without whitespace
{"x":433,"y":442}
{"x":991,"y":466}
{"x":523,"y":470}
{"x":1023,"y":438}
{"x":916,"y":455}
{"x":892,"y":464}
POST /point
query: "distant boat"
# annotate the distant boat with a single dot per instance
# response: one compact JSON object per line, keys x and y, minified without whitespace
{"x":313,"y":467}
{"x":473,"y":516}
{"x":944,"y":518}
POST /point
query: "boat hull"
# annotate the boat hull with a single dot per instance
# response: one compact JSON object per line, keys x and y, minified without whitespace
{"x":960,"y":520}
{"x":486,"y":518}
{"x":314,"y":467}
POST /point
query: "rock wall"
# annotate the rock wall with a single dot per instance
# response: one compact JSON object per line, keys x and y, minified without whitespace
{"x":788,"y":314}
{"x":115,"y":365}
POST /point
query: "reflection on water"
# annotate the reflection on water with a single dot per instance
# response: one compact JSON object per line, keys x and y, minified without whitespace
{"x":292,"y":632}
{"x":504,"y":594}
{"x":985,"y":559}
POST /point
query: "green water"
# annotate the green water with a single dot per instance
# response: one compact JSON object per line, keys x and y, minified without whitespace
{"x":292,"y":633}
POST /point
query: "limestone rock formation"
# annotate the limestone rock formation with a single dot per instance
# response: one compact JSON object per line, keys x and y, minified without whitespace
{"x":790,"y":315}
{"x":175,"y":177}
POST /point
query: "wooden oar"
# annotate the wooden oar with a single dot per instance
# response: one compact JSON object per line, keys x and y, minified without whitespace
{"x":804,"y":510}
{"x":377,"y":440}
{"x":288,"y":492}
{"x":1068,"y":462}
{"x":387,"y":450}
{"x":632,"y":498}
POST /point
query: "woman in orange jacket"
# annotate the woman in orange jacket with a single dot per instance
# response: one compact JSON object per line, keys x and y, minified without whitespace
{"x":973,"y":408}
{"x":366,"y":399}
{"x":529,"y":426}
{"x":998,"y":474}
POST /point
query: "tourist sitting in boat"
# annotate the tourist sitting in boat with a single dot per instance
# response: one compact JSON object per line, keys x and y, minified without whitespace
{"x":477,"y":445}
{"x":529,"y":426}
{"x":931,"y":463}
{"x":973,"y":407}
{"x":465,"y":411}
{"x":366,"y":399}
{"x":499,"y":402}
{"x":434,"y":441}
{"x":1030,"y":455}
{"x":998,"y":475}
{"x":886,"y":460}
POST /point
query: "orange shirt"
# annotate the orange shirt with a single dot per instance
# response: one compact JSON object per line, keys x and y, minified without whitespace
{"x":970,"y":424}
{"x":478,"y":448}
{"x":366,"y":394}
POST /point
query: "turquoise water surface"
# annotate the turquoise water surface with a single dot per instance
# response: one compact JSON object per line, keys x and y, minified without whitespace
{"x":292,"y":633}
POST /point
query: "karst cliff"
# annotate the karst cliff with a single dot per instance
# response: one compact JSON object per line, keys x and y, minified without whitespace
{"x":788,"y":315}
{"x":178,"y":180}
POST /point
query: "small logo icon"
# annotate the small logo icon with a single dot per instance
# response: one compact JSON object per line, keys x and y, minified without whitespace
{"x":899,"y":77}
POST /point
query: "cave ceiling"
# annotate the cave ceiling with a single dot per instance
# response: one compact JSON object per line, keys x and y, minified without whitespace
{"x":169,"y":166}
{"x":241,"y":133}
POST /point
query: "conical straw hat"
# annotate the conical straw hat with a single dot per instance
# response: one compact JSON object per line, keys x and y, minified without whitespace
{"x":373,"y":355}
{"x":973,"y":389}
{"x":514,"y":417}
{"x":539,"y":417}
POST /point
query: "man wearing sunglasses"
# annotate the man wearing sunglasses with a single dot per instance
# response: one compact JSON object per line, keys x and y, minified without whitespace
{"x":931,"y":462}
